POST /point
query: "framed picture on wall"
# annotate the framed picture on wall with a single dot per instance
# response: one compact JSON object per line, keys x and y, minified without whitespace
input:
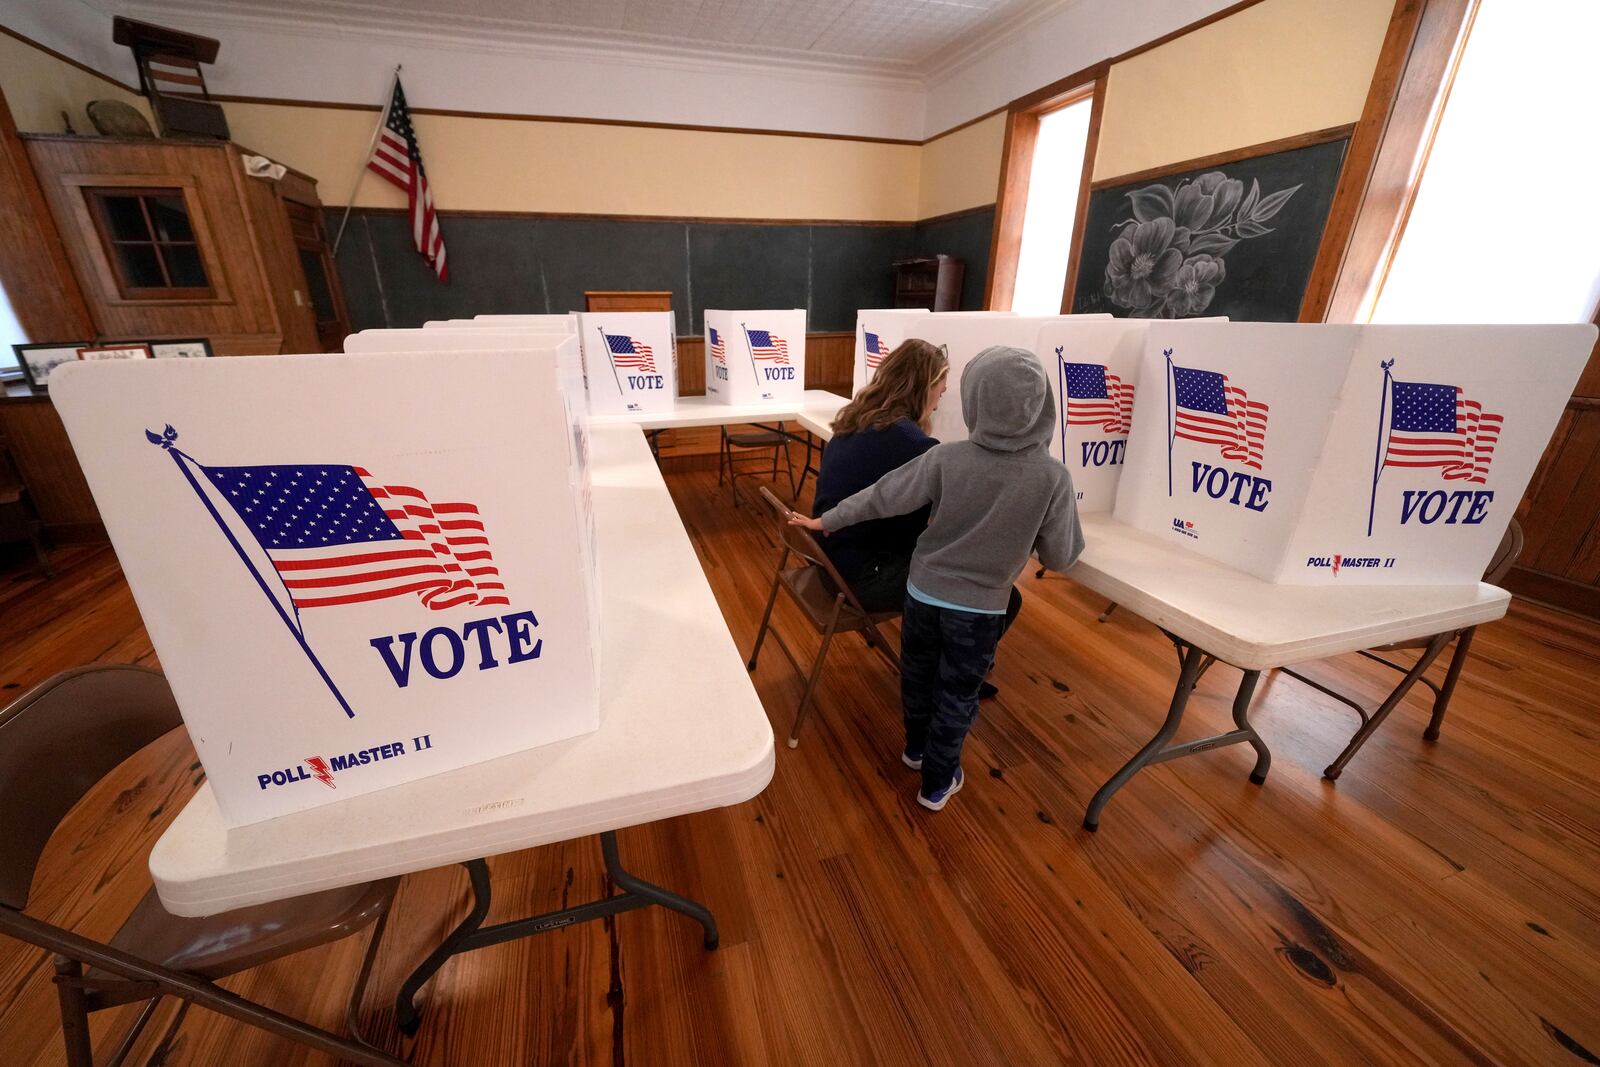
{"x":192,"y":348}
{"x":38,"y":360}
{"x":128,"y":350}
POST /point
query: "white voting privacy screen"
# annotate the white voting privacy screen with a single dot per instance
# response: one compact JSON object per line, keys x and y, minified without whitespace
{"x":880,"y":331}
{"x":755,"y":356}
{"x":964,"y":334}
{"x":1435,"y":437}
{"x":1094,"y":363}
{"x":356,"y":571}
{"x":630,"y":359}
{"x":1272,"y":446}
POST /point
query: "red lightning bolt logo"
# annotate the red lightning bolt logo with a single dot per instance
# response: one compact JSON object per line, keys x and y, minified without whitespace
{"x":319,"y":767}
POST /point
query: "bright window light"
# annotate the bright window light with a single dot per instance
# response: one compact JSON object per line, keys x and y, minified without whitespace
{"x":10,"y":334}
{"x":1504,"y":228}
{"x":1052,"y":205}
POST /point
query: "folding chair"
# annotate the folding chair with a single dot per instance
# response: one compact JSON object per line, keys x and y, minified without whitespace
{"x":751,"y":440}
{"x":56,"y":742}
{"x":1504,"y":558}
{"x":823,"y":596}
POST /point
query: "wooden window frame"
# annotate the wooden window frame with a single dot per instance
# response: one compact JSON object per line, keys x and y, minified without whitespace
{"x":1016,"y":168}
{"x":94,"y":196}
{"x":1378,"y":183}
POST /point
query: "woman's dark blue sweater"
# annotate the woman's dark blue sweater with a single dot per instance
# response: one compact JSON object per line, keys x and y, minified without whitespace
{"x":851,"y":463}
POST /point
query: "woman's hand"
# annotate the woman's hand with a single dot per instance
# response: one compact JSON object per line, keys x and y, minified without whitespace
{"x":814,"y":525}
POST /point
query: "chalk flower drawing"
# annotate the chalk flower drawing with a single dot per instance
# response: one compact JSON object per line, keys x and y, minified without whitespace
{"x":1168,"y":260}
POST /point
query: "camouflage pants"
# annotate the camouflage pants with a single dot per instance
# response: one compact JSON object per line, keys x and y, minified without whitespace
{"x":945,"y":655}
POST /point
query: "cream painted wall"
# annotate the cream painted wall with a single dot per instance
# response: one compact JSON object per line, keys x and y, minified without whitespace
{"x":483,"y":164}
{"x":38,"y":87}
{"x":1273,"y":70}
{"x":962,"y":169}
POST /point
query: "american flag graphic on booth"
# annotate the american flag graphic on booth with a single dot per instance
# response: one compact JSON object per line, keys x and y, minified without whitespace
{"x":1438,"y":426}
{"x":767,"y":345}
{"x":338,"y":536}
{"x":1212,"y":410}
{"x":875,"y":349}
{"x":1097,"y":398}
{"x":719,"y":350}
{"x":629,"y":353}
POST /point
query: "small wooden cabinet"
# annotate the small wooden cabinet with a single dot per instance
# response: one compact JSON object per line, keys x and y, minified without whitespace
{"x":175,"y":239}
{"x":932,"y":282}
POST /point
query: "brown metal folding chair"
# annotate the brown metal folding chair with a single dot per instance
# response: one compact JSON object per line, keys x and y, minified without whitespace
{"x":56,"y":742}
{"x":823,"y":596}
{"x":753,"y":441}
{"x":1504,"y":558}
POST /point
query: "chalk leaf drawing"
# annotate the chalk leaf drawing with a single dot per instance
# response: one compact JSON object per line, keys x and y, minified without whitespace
{"x":1168,"y":259}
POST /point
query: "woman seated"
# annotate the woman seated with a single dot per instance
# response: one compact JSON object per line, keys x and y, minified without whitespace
{"x":884,"y":427}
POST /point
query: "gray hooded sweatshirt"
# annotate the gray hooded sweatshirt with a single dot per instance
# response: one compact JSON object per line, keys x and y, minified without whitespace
{"x":997,"y":497}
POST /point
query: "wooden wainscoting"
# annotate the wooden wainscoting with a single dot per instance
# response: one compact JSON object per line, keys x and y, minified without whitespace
{"x":830,"y":361}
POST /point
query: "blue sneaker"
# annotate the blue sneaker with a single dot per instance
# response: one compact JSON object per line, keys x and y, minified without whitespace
{"x":912,"y":759}
{"x":942,"y":797}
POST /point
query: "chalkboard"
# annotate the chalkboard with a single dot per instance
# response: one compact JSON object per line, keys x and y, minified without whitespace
{"x":1237,"y":239}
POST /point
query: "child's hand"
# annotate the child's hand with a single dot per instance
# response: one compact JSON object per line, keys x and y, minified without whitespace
{"x":814,"y":525}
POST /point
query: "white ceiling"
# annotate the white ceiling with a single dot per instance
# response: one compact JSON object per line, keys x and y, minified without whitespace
{"x":883,"y":36}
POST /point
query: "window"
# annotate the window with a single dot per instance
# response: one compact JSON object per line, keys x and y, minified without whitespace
{"x":1051,"y":209}
{"x":10,"y":334}
{"x":150,"y":243}
{"x":1500,"y":229}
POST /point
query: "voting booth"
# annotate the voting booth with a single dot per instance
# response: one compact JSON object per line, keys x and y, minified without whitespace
{"x":880,"y":331}
{"x":630,"y":360}
{"x":755,"y":356}
{"x":357,"y":571}
{"x":964,"y":335}
{"x":1094,"y":364}
{"x":1320,"y":454}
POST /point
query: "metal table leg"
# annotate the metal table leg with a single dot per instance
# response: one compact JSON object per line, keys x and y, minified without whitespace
{"x":1368,"y":728}
{"x":1194,"y":662}
{"x":471,"y":934}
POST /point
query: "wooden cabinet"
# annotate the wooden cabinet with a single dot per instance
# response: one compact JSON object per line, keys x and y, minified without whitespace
{"x":626,"y":300}
{"x":933,"y":282}
{"x":174,"y":238}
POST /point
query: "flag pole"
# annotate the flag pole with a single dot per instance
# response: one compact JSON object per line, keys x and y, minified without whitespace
{"x":1061,"y":380}
{"x":611,"y":358}
{"x":750,"y":348}
{"x":361,"y":170}
{"x":1377,"y":458}
{"x":1167,"y":353}
{"x":178,"y":456}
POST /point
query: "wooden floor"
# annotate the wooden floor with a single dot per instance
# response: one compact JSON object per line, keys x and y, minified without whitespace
{"x":1440,"y":905}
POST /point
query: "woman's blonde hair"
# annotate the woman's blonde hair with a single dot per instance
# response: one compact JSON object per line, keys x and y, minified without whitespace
{"x":898,"y":391}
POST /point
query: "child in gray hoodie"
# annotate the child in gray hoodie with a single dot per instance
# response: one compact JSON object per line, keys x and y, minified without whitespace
{"x":997,"y":497}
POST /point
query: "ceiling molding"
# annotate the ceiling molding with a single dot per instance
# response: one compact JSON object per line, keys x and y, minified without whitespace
{"x":503,"y":37}
{"x":958,"y":55}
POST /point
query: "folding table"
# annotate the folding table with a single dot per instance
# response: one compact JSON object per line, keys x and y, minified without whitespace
{"x":1213,"y":613}
{"x":682,"y":730}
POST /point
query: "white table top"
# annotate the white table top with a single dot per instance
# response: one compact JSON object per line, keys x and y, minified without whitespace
{"x":709,"y":411}
{"x":1254,"y":624}
{"x":682,"y":730}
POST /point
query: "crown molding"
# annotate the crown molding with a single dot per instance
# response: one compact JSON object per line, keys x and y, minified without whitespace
{"x":349,"y":20}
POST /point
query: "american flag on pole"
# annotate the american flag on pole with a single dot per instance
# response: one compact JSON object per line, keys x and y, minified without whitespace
{"x":767,"y":345}
{"x":398,"y":159}
{"x":1438,"y":426}
{"x":338,"y":536}
{"x":719,"y":350}
{"x":626,"y":352}
{"x":1212,"y":410}
{"x":876,"y":350}
{"x":1096,"y":398}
